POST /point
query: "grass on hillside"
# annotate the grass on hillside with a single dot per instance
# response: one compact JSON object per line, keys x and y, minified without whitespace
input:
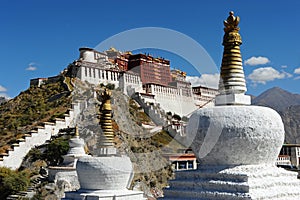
{"x":31,"y":108}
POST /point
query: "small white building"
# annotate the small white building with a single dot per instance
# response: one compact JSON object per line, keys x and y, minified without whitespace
{"x":204,"y":96}
{"x":289,"y":155}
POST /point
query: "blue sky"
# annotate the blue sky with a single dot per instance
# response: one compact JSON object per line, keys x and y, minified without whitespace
{"x":40,"y":38}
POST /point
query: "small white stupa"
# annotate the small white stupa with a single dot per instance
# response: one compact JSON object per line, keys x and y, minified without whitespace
{"x":76,"y":150}
{"x":65,"y":175}
{"x":107,"y":176}
{"x":235,"y":143}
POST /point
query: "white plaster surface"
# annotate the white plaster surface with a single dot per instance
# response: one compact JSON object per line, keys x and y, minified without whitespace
{"x":172,"y":99}
{"x":240,"y":182}
{"x":236,"y":135}
{"x":104,"y":195}
{"x":237,"y":147}
{"x":76,"y":147}
{"x":233,"y":99}
{"x":67,"y":180}
{"x":104,"y":173}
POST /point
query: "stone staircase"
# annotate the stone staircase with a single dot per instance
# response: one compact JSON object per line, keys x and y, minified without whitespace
{"x":194,"y":185}
{"x":233,"y":184}
{"x":152,"y":110}
{"x":157,"y":115}
{"x":37,"y":136}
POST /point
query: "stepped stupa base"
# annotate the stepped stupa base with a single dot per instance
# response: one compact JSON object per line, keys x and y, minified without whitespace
{"x":240,"y":182}
{"x":104,"y":195}
{"x":232,"y":99}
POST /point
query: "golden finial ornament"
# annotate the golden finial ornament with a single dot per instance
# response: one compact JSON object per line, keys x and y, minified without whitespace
{"x":232,"y":78}
{"x":76,"y":131}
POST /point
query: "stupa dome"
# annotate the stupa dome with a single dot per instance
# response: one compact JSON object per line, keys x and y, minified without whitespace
{"x":104,"y":173}
{"x":236,"y":135}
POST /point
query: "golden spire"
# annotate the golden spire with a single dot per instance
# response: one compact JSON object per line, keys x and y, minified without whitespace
{"x":76,"y":131}
{"x":106,"y":120}
{"x":232,"y":78}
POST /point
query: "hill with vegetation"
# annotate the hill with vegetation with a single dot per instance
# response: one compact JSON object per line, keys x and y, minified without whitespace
{"x":36,"y":105}
{"x":31,"y":108}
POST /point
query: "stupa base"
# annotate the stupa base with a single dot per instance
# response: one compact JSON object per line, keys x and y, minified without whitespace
{"x":104,"y":195}
{"x":232,"y":99}
{"x":240,"y":182}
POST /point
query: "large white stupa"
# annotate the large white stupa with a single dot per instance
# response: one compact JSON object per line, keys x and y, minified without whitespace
{"x":235,"y":143}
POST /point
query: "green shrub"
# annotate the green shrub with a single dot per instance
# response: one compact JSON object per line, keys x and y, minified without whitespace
{"x":12,"y":181}
{"x":34,"y":155}
{"x":55,"y":150}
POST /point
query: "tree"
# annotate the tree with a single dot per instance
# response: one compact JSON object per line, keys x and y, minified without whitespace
{"x":55,"y":150}
{"x":12,"y":181}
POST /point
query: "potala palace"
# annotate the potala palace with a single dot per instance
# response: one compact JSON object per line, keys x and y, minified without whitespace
{"x":150,"y":77}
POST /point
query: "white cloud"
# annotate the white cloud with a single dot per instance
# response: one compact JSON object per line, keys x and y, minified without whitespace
{"x":265,"y":74}
{"x":288,"y":75}
{"x":207,"y":80}
{"x":284,"y":66}
{"x":297,"y":71}
{"x":297,"y":78}
{"x":31,"y":67}
{"x":257,"y":61}
{"x":2,"y":92}
{"x":2,"y":89}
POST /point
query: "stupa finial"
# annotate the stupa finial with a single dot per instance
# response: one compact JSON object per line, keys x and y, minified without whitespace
{"x":76,"y":131}
{"x":106,"y":140}
{"x":232,"y":85}
{"x":232,"y":22}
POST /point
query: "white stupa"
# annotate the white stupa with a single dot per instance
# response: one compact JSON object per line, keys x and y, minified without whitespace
{"x":76,"y":150}
{"x":65,"y":175}
{"x":108,"y":176}
{"x":236,"y":144}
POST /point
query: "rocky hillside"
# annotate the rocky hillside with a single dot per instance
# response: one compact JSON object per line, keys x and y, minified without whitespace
{"x":288,"y":106}
{"x":36,"y":105}
{"x":2,"y":100}
{"x":291,"y":120}
{"x":144,"y":149}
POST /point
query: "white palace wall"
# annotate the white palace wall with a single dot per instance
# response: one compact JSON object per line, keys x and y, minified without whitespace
{"x":171,"y":99}
{"x":96,"y":76}
{"x":130,"y":81}
{"x":121,"y":80}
